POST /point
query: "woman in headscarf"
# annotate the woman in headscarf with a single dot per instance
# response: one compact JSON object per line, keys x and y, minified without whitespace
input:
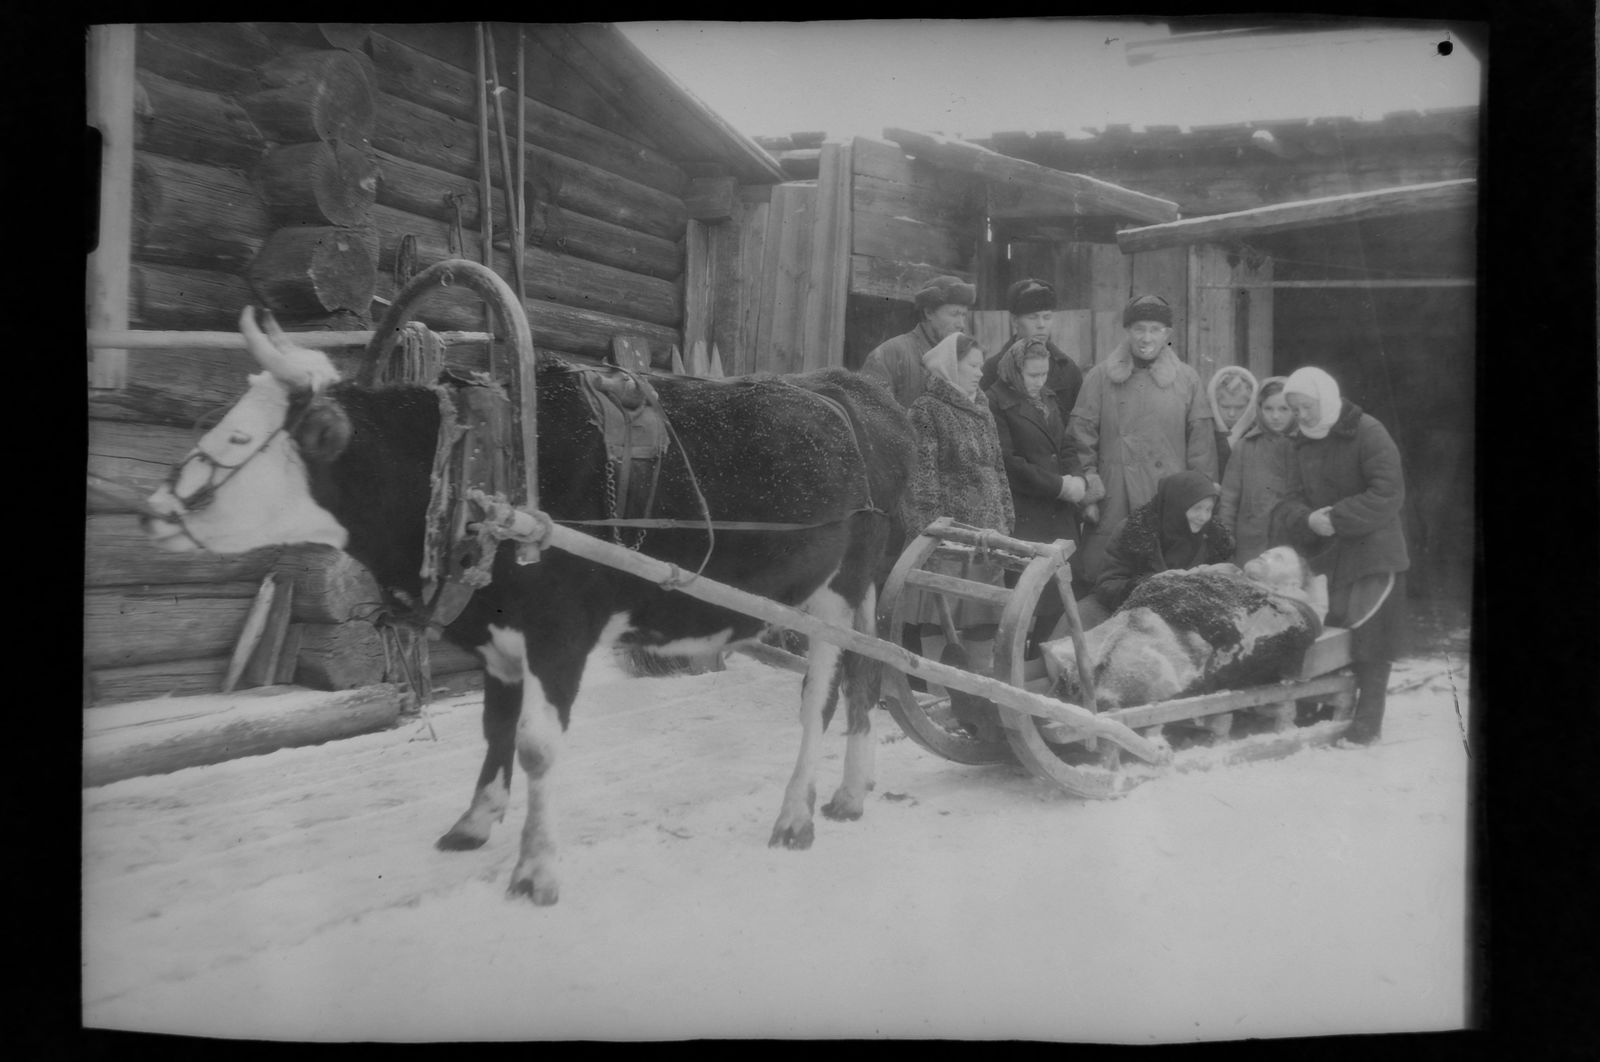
{"x":1343,"y":511}
{"x":959,"y":474}
{"x":1142,"y":415}
{"x":1046,"y":485}
{"x":1175,"y":529}
{"x":1257,"y":478}
{"x":1233,"y":396}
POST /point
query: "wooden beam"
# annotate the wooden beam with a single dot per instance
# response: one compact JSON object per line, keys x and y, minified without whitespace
{"x":828,"y":283}
{"x":890,"y":278}
{"x":111,"y":105}
{"x":1281,"y":217}
{"x":1365,"y":282}
{"x":711,"y":198}
{"x":1076,"y":193}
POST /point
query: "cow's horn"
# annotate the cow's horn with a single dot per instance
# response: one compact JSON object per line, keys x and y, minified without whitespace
{"x":266,"y":351}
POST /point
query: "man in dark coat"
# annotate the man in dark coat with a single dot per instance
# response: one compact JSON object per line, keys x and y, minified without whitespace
{"x":1032,"y":305}
{"x":896,"y":363}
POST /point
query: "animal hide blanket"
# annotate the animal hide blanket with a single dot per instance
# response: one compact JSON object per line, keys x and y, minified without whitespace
{"x":1188,"y":632}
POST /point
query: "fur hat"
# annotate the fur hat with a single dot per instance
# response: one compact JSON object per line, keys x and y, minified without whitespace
{"x":1030,"y":296}
{"x":942,"y":291}
{"x":1147,"y":308}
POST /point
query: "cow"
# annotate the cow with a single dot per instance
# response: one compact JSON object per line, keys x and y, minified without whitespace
{"x":304,"y":457}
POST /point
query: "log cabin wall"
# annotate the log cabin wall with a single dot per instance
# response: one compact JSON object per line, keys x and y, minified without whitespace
{"x":246,"y":193}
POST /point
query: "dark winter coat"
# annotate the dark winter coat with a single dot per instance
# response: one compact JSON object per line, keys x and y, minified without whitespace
{"x":1135,"y":427}
{"x":1256,"y":480}
{"x":1134,"y":553}
{"x":897,"y":364}
{"x":1065,"y":378}
{"x":1355,"y":468}
{"x":1037,"y":456}
{"x":959,"y":471}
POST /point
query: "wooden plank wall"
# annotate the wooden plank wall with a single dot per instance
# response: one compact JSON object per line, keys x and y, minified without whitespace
{"x":607,"y":228}
{"x":911,"y":220}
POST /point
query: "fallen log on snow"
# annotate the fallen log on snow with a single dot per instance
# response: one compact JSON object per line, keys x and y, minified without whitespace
{"x":171,"y":733}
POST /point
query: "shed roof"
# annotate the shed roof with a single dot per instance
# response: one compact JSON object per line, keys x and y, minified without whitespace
{"x":1304,"y":213}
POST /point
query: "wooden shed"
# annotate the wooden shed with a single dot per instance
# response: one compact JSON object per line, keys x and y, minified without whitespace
{"x":311,"y":168}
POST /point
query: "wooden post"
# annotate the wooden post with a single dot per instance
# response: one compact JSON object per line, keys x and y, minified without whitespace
{"x":697,"y":287}
{"x":111,"y":103}
{"x":828,"y":282}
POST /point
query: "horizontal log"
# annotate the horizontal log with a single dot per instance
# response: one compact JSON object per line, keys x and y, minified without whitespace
{"x":339,"y":656}
{"x":551,"y":79}
{"x":1079,"y":194}
{"x":317,"y":95}
{"x":409,"y":74}
{"x":1282,"y":217}
{"x":555,"y":326}
{"x":318,"y":184}
{"x":882,"y":161}
{"x":135,"y":456}
{"x":314,"y":269}
{"x":891,"y":278}
{"x":559,"y":278}
{"x":414,"y":132}
{"x":194,"y":124}
{"x":217,"y":56}
{"x":169,"y":678}
{"x":447,"y":658}
{"x":179,"y":297}
{"x":711,"y":198}
{"x":160,"y":737}
{"x":417,"y":188}
{"x":190,"y":214}
{"x":330,"y":586}
{"x":144,"y":625}
{"x":117,"y":552}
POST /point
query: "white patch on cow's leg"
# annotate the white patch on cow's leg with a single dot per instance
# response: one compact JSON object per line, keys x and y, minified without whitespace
{"x":538,"y":746}
{"x":850,"y":799}
{"x":794,"y":828}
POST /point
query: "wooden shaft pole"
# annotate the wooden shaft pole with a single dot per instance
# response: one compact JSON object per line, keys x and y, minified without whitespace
{"x":507,"y":175}
{"x":522,"y":161}
{"x":174,"y":340}
{"x":623,"y":559}
{"x":485,"y":188}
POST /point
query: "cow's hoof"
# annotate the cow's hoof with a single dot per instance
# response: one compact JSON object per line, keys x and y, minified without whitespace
{"x":842,"y":809}
{"x":459,"y":842}
{"x":796,"y":837}
{"x":542,"y":889}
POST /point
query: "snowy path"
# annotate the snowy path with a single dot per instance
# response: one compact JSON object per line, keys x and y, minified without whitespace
{"x":298,"y":895}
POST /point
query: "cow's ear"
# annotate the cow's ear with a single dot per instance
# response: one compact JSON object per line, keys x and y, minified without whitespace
{"x":324,"y":432}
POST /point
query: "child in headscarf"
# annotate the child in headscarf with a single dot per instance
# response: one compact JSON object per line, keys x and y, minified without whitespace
{"x":1175,"y":529}
{"x":1343,"y":512}
{"x":1233,"y":395}
{"x":1257,"y":478}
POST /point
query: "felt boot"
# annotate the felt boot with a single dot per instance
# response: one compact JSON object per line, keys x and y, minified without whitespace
{"x":1372,"y":689}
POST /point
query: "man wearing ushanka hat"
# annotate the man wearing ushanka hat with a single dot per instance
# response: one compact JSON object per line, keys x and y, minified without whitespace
{"x":942,"y":304}
{"x":1032,"y":305}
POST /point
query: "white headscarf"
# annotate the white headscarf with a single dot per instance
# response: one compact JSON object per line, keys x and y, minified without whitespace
{"x":1247,"y":418}
{"x":941,"y":361}
{"x":1314,"y":383}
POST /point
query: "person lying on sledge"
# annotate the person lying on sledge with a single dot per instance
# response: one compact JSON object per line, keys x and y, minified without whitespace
{"x":1184,"y":632}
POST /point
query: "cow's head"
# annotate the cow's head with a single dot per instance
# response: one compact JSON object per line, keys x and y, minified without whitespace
{"x":245,"y":484}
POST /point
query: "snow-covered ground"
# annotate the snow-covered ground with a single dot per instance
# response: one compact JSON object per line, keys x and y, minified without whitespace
{"x":299,"y":896}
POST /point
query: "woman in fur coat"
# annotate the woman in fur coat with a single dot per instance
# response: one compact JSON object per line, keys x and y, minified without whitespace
{"x":1257,"y":477}
{"x":1232,"y":391}
{"x":1142,"y":415}
{"x":1175,"y":529}
{"x":959,"y":474}
{"x":1343,"y":511}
